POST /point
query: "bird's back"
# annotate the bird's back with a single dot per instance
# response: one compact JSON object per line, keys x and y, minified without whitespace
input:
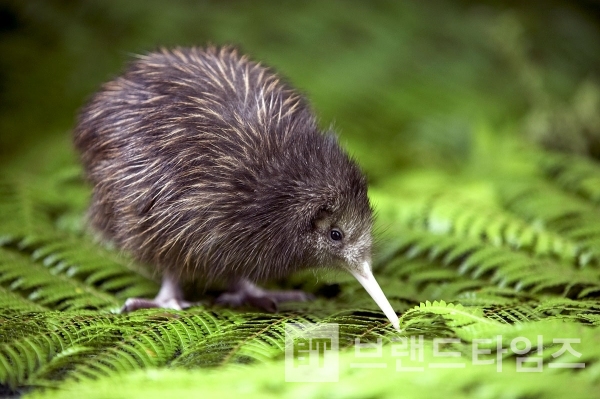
{"x":176,"y":148}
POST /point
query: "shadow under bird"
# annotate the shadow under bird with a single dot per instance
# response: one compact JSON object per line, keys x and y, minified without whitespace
{"x":205,"y":165}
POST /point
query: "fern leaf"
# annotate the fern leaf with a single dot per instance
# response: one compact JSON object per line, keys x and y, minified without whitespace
{"x":573,"y":173}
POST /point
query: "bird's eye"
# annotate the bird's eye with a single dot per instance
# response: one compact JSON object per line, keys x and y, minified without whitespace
{"x":335,"y":234}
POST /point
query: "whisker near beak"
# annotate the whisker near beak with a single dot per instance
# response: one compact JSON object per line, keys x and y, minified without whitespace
{"x":367,"y":280}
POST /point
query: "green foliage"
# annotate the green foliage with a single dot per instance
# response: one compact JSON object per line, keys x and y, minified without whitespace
{"x":482,"y":240}
{"x":481,"y":267}
{"x":466,"y":381}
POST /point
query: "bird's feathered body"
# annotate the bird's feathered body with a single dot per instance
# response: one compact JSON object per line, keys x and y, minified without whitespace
{"x":206,"y":165}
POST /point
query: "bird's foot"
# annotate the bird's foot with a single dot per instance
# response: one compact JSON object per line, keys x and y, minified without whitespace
{"x":246,"y":293}
{"x":132,"y":304}
{"x":169,"y":297}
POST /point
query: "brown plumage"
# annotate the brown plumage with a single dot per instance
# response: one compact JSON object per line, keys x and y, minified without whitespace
{"x":205,"y":165}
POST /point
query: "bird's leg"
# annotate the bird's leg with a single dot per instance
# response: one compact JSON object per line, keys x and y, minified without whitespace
{"x":170,"y":296}
{"x":244,"y":292}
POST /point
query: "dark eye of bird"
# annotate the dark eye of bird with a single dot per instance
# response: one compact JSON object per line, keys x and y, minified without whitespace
{"x":335,"y":234}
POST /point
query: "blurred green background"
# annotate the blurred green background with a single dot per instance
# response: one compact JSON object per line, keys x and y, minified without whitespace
{"x":406,"y":84}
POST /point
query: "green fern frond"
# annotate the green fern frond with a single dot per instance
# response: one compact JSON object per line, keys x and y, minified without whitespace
{"x":144,"y":344}
{"x":455,"y":317}
{"x":449,"y":215}
{"x":39,"y":285}
{"x":20,"y":211}
{"x":572,"y":173}
{"x":67,"y":258}
{"x":33,"y":348}
{"x":446,"y":376}
{"x":516,"y":270}
{"x":566,"y":214}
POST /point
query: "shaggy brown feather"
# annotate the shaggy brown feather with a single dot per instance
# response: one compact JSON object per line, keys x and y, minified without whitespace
{"x":206,"y":165}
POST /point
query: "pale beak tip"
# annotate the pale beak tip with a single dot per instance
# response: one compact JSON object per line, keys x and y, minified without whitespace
{"x":396,"y":324}
{"x":366,"y":279}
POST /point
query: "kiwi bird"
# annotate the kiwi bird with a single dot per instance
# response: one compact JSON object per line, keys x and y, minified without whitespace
{"x":205,"y":165}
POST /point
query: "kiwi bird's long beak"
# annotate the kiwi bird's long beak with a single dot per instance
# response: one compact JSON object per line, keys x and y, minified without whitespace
{"x":365,"y":277}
